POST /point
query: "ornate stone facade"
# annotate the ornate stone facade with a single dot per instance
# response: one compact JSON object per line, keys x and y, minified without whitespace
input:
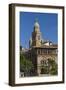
{"x":41,"y":52}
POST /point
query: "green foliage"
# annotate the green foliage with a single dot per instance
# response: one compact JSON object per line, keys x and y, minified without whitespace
{"x":44,"y":70}
{"x":25,"y":64}
{"x":53,"y":67}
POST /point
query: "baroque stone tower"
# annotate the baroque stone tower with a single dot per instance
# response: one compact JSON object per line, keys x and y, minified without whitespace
{"x":36,"y":35}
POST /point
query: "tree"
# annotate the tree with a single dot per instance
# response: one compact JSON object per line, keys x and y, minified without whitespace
{"x":20,"y":48}
{"x":50,"y":68}
{"x":44,"y":70}
{"x":53,"y":68}
{"x":25,"y":64}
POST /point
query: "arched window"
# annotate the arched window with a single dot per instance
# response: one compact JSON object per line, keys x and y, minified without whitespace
{"x":44,"y":70}
{"x":44,"y":62}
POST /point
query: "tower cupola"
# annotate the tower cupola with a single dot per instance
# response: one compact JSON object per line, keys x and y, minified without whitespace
{"x":36,"y":26}
{"x":36,"y":35}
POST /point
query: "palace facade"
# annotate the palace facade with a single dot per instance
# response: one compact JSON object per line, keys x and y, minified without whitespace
{"x":43,"y":53}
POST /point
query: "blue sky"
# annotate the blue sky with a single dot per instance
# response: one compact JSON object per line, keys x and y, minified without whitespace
{"x":48,"y":26}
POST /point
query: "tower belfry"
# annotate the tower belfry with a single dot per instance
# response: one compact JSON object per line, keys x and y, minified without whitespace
{"x":36,"y":35}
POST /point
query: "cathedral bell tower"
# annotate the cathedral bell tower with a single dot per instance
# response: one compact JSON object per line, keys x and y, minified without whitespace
{"x":36,"y":35}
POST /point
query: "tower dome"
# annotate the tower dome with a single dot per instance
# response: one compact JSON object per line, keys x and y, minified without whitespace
{"x":36,"y":26}
{"x":36,"y":35}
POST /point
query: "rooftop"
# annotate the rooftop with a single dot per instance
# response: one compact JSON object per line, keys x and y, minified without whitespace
{"x":46,"y":46}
